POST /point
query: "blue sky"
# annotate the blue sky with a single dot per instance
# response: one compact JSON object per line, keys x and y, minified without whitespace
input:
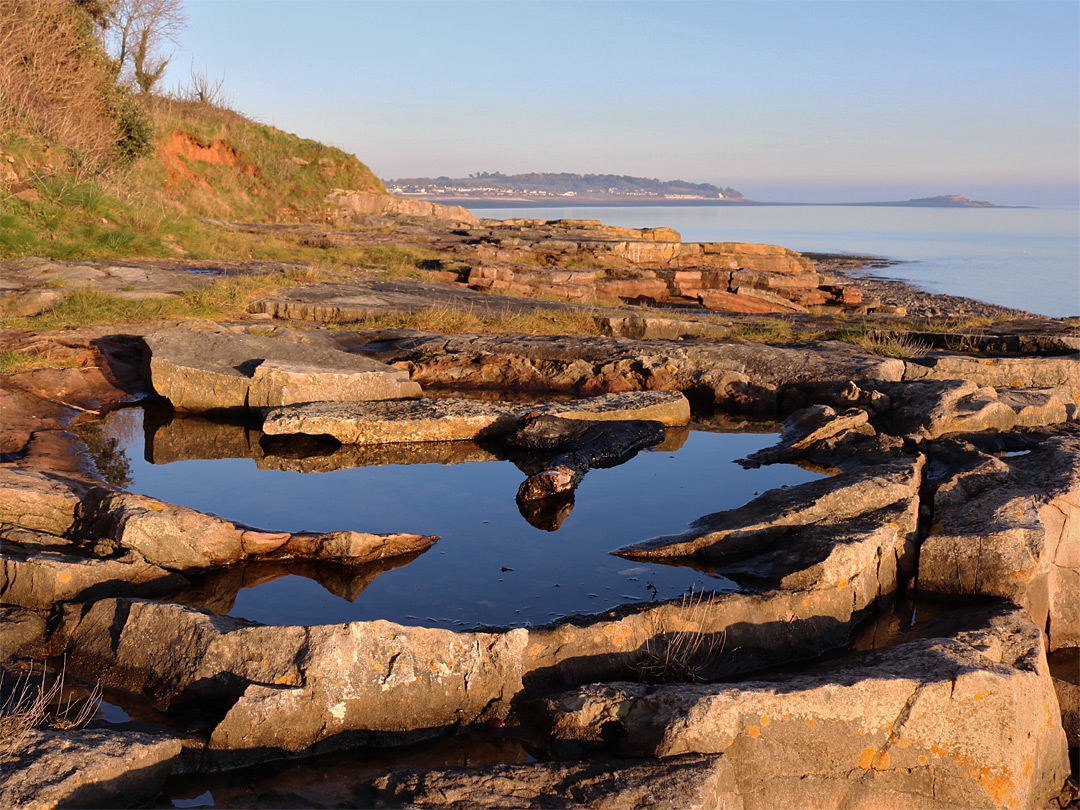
{"x":802,"y":101}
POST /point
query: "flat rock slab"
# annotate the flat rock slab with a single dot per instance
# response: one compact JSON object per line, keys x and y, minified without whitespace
{"x":967,"y":719}
{"x":88,"y":768}
{"x":430,"y":420}
{"x":205,"y":371}
{"x":355,"y":300}
{"x":737,"y":532}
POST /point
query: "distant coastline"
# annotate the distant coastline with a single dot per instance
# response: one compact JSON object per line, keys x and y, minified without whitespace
{"x":608,"y":201}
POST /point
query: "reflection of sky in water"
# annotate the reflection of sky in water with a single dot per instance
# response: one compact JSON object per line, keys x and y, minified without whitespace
{"x":472,"y":508}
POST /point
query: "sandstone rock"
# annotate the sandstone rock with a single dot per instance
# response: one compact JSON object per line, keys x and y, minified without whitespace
{"x":460,"y":419}
{"x":39,"y":578}
{"x":679,"y":783}
{"x":202,"y":371}
{"x":739,"y":376}
{"x":37,"y":501}
{"x":967,"y":720}
{"x":347,"y":202}
{"x":738,"y":531}
{"x":88,"y":768}
{"x":1000,"y":372}
{"x":1014,"y":533}
{"x":355,"y":300}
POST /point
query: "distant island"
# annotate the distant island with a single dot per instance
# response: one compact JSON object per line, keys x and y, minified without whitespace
{"x":563,"y":185}
{"x":943,"y":201}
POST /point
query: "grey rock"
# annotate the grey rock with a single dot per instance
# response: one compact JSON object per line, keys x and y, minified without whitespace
{"x":739,"y":531}
{"x":443,"y":420}
{"x":1011,"y":527}
{"x":38,"y":578}
{"x":22,"y":633}
{"x":205,"y":370}
{"x":967,"y":720}
{"x":88,"y":768}
{"x":679,"y":783}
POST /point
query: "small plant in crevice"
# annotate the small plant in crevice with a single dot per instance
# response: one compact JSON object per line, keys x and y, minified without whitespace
{"x":35,"y":702}
{"x":680,"y":656}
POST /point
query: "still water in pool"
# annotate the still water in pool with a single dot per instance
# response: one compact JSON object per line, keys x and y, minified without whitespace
{"x":489,"y":566}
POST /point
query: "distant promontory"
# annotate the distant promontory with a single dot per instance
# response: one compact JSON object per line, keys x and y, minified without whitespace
{"x":566,"y":186}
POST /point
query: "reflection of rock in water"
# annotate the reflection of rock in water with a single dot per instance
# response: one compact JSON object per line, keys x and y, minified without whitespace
{"x":217,"y":590}
{"x":547,"y":514}
{"x":182,"y":438}
{"x":288,"y":453}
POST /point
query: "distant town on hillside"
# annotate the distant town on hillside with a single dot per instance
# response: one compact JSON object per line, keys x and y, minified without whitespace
{"x":563,"y":184}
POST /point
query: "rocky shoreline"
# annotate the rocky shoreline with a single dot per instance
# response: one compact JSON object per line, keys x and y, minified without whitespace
{"x":954,"y":479}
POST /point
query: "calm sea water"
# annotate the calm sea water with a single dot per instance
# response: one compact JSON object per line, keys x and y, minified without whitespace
{"x":490,"y":566}
{"x":1027,"y":258}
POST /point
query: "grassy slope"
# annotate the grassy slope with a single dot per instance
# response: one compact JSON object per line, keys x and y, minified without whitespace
{"x":208,"y":163}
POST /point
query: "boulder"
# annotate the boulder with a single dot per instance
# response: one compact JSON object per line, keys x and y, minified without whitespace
{"x":461,"y":419}
{"x":205,"y":371}
{"x":88,"y":768}
{"x":968,"y":719}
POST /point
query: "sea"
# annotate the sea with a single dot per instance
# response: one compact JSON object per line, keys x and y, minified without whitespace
{"x":1025,"y":258}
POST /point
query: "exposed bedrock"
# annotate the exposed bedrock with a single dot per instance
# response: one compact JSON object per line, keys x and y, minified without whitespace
{"x":679,"y":783}
{"x":88,"y":768}
{"x":742,"y":376}
{"x":737,"y":532}
{"x":1010,"y":526}
{"x":212,"y":370}
{"x":462,"y":419}
{"x":105,"y":520}
{"x":964,"y":719}
{"x":291,"y":687}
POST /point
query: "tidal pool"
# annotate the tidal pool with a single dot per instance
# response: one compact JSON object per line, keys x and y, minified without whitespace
{"x":490,"y":566}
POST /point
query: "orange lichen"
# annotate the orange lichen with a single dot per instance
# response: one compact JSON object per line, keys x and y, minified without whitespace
{"x":754,"y":731}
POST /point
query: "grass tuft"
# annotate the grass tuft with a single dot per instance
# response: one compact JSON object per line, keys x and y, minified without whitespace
{"x":681,"y":656}
{"x":35,"y":703}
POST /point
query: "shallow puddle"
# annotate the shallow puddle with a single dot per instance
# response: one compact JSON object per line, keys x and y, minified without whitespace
{"x":491,"y":566}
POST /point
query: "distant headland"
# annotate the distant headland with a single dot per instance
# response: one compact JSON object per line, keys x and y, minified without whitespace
{"x":568,"y":190}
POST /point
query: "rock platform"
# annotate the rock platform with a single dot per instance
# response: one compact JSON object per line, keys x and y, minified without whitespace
{"x":954,"y":478}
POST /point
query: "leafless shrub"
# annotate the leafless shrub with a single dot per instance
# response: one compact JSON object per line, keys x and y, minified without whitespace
{"x":681,"y":655}
{"x":36,"y":702}
{"x":53,"y":79}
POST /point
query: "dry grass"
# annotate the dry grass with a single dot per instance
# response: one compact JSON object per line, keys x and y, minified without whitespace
{"x":900,"y":345}
{"x":33,"y":703}
{"x":680,"y":656}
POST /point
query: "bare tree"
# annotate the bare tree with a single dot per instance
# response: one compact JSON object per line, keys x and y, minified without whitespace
{"x":138,"y":35}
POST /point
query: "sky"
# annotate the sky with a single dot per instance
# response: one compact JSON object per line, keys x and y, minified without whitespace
{"x":784,"y":101}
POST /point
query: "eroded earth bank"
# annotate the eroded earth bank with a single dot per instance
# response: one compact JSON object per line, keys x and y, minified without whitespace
{"x":904,"y":632}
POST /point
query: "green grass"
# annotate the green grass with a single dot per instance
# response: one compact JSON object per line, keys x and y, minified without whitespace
{"x":13,"y":361}
{"x":224,"y":299}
